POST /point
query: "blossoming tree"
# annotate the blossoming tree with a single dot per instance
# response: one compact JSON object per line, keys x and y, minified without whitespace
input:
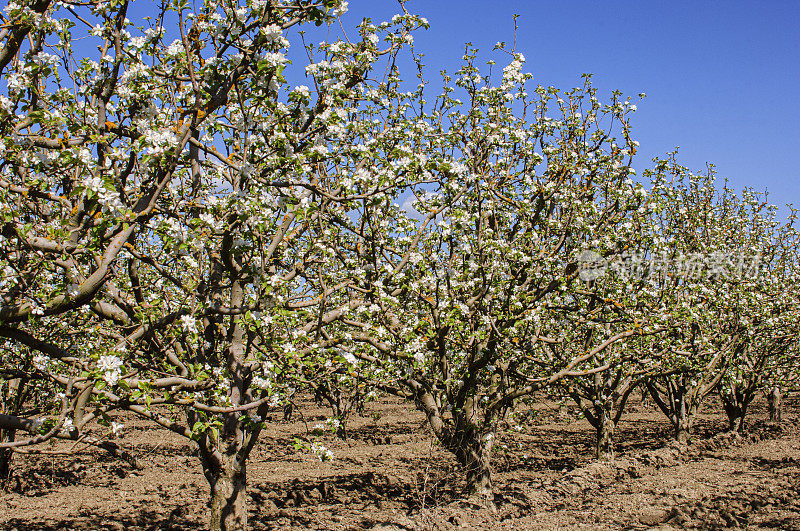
{"x":713,"y":238}
{"x":171,"y":211}
{"x":617,"y":304}
{"x":767,"y":307}
{"x":192,"y":229}
{"x":464,"y":329}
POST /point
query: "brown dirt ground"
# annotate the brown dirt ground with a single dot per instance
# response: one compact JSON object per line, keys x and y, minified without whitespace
{"x":390,"y":475}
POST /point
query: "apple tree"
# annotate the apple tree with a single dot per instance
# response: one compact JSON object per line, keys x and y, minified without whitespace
{"x":171,"y":206}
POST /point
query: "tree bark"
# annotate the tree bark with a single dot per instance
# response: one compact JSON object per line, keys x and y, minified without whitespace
{"x":735,"y":404}
{"x":469,"y":436}
{"x":604,"y":449}
{"x":678,"y":405}
{"x":473,"y":452}
{"x":6,"y":454}
{"x":736,"y":420}
{"x":229,"y":495}
{"x":682,"y":434}
{"x":684,"y":416}
{"x":774,"y":399}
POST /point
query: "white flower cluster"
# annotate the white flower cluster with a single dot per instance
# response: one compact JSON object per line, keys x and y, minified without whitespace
{"x":211,"y":221}
{"x":41,"y":362}
{"x":318,"y":69}
{"x":322,"y":452}
{"x":109,"y":199}
{"x":159,"y":141}
{"x":67,"y":426}
{"x":302,"y":90}
{"x":262,"y":383}
{"x":331,"y":425}
{"x":42,"y":58}
{"x":6,"y":105}
{"x":175,"y":49}
{"x":8,"y":276}
{"x":111,"y":367}
{"x":36,"y":308}
{"x":15,"y":82}
{"x":340,"y":10}
{"x":116,"y":428}
{"x":137,"y":43}
{"x":274,"y":58}
{"x":513,"y":72}
{"x":319,"y":150}
{"x":189,"y":324}
{"x":273,"y":33}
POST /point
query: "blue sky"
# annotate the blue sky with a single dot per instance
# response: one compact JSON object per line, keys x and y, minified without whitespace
{"x":721,"y":78}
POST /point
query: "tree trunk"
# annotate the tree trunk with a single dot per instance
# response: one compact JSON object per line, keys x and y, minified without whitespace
{"x":604,"y":450}
{"x":736,"y":421}
{"x":683,"y":421}
{"x":5,"y":455}
{"x":11,"y":399}
{"x":734,"y":411}
{"x":474,"y":454}
{"x":774,"y":399}
{"x":470,"y":441}
{"x":229,"y":495}
{"x":682,"y":434}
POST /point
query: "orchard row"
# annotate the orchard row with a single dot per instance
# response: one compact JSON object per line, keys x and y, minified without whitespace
{"x":196,"y":225}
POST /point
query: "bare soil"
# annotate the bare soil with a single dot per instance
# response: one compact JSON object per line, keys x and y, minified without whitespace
{"x":391,"y":475}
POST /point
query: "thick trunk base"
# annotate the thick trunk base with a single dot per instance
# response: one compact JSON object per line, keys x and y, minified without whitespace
{"x":475,"y":456}
{"x":479,"y":488}
{"x":684,"y":419}
{"x":6,"y":455}
{"x":229,"y":501}
{"x":774,"y":399}
{"x":682,"y":434}
{"x":604,"y":448}
{"x":736,"y":424}
{"x":736,"y":403}
{"x":5,"y":465}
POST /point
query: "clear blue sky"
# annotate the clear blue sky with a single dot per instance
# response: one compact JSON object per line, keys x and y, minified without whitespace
{"x":722,"y":78}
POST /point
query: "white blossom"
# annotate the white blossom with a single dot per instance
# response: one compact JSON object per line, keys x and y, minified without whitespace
{"x":189,"y":323}
{"x":111,"y":367}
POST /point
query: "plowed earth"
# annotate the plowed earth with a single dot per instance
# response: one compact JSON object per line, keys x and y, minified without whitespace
{"x":391,"y":475}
